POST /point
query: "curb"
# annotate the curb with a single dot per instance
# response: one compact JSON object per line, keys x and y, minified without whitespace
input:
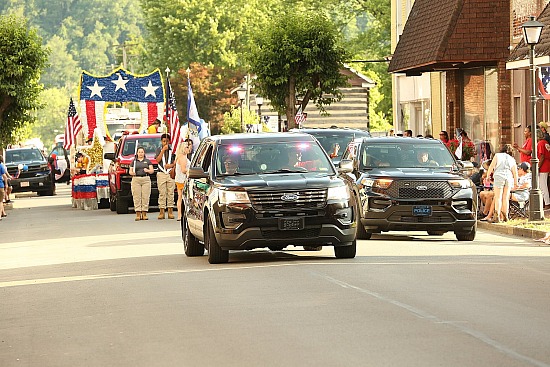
{"x":511,"y":230}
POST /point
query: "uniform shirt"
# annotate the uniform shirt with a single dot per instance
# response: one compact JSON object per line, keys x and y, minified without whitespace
{"x":543,"y":149}
{"x":140,"y":166}
{"x":525,"y":157}
{"x":166,"y":159}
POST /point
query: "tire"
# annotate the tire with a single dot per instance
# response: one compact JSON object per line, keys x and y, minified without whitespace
{"x":215,"y":254}
{"x":466,"y":236}
{"x":121,"y":206}
{"x":48,"y":192}
{"x":436,"y":233}
{"x":362,"y":233}
{"x":112,"y":204}
{"x":103,"y":204}
{"x":191,"y":246}
{"x":346,"y":252}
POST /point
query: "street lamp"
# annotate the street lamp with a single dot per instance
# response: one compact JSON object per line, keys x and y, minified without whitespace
{"x":531,"y":36}
{"x":259,"y":102}
{"x":241,"y":94}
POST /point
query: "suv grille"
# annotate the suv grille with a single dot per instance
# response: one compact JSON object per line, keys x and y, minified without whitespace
{"x":31,"y":172}
{"x":420,"y":190}
{"x":268,"y":200}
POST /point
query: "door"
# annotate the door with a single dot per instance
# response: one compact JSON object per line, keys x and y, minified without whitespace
{"x":198,"y":190}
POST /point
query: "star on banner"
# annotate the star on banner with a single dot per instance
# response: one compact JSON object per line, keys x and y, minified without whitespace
{"x":150,"y":90}
{"x":120,"y":83}
{"x":96,"y":90}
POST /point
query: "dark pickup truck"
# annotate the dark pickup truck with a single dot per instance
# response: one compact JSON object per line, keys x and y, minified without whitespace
{"x":249,"y":191}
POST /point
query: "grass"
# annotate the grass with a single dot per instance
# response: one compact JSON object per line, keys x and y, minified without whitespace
{"x":543,"y":225}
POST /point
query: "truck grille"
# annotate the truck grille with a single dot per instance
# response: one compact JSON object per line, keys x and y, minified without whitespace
{"x":270,"y":200}
{"x":420,"y":190}
{"x":31,"y":172}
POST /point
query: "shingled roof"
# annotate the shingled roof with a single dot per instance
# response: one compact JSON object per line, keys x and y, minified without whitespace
{"x":452,"y":34}
{"x":521,"y":51}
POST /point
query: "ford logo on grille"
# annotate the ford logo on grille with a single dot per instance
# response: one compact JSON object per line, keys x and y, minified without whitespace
{"x":422,"y":188}
{"x":289,"y":197}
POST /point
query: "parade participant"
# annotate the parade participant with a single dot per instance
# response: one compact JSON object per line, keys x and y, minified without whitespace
{"x":140,"y":169}
{"x":543,"y":154}
{"x":153,"y":129}
{"x":525,"y":150}
{"x":165,"y":184}
{"x":7,"y":183}
{"x":182,"y":166}
{"x":3,"y":181}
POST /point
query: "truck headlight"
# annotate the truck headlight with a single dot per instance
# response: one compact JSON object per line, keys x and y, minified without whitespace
{"x":338,"y":193}
{"x":460,"y":184}
{"x":233,"y":197}
{"x":381,"y":183}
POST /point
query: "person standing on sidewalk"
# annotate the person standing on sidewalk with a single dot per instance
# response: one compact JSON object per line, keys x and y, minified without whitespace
{"x":3,"y":184}
{"x":525,"y":150}
{"x":166,"y":185}
{"x":182,"y":166}
{"x":505,"y":176}
{"x":140,"y":170}
{"x":543,"y":154}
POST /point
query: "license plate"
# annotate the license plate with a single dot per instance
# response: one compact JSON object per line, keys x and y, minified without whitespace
{"x":25,"y":184}
{"x":291,"y":224}
{"x":422,"y":210}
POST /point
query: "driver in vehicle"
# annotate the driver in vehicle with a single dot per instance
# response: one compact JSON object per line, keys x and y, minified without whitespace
{"x":424,"y":159}
{"x":231,"y":164}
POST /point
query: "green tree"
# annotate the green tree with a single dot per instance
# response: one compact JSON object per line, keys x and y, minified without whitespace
{"x":52,"y":118}
{"x":23,"y":59}
{"x":298,"y":59}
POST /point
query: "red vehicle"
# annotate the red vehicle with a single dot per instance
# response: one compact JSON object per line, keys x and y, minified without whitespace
{"x":120,"y":193}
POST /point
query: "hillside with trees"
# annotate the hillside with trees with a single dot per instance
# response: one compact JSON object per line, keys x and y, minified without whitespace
{"x":214,"y":35}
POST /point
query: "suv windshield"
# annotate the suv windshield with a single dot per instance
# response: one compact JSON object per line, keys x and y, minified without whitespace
{"x":404,"y":155}
{"x":272,"y":157}
{"x":149,"y":144}
{"x":23,"y":155}
{"x":335,"y":143}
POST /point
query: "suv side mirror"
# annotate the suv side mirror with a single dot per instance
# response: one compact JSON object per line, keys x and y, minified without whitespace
{"x":110,"y":156}
{"x":346,"y":166}
{"x":197,"y":172}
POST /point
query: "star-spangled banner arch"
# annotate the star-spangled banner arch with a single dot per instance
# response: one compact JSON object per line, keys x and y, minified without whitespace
{"x":120,"y":86}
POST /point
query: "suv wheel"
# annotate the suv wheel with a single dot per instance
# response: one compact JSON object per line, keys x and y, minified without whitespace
{"x":191,"y":245}
{"x":466,"y":236}
{"x":112,"y":204}
{"x":346,"y":252}
{"x":215,"y":253}
{"x":121,"y":206}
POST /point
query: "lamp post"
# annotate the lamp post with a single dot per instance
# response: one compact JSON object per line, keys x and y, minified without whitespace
{"x":259,"y":102}
{"x":241,"y":94}
{"x":531,"y":36}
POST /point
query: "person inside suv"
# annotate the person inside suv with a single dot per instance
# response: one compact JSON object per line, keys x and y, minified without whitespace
{"x":423,"y":158}
{"x":231,"y":164}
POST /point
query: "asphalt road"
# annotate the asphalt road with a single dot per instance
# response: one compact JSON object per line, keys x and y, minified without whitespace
{"x":93,"y":288}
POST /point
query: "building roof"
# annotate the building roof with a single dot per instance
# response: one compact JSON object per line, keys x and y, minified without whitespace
{"x":451,"y":35}
{"x":542,"y":49}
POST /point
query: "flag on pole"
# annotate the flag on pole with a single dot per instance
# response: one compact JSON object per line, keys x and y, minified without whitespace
{"x":173,"y":119}
{"x":192,"y":112}
{"x":73,"y":127}
{"x":458,"y":151}
{"x":300,"y":118}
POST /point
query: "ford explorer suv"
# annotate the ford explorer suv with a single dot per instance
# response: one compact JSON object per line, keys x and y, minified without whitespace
{"x":410,"y":184}
{"x":30,"y":171}
{"x":120,"y":181}
{"x":248,"y":191}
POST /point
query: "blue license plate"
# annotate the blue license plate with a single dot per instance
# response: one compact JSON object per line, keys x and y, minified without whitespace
{"x":422,"y":210}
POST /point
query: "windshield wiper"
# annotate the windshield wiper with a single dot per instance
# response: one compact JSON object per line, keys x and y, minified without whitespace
{"x":288,"y":170}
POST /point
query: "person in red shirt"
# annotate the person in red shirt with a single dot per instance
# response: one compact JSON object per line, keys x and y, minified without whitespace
{"x":543,"y":154}
{"x":525,"y":150}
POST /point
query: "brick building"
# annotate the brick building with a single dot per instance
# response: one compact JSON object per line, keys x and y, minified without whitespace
{"x":466,"y":44}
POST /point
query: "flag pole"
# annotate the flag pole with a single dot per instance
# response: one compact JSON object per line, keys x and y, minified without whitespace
{"x":167,"y":94}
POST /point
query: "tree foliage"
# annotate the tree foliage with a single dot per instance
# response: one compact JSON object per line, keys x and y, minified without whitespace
{"x":298,"y":59}
{"x":23,"y":59}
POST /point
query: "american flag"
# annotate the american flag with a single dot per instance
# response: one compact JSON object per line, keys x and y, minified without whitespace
{"x":173,"y":119}
{"x":300,"y":118}
{"x":544,"y":82}
{"x":73,"y":127}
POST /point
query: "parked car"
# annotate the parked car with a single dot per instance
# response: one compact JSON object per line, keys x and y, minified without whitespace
{"x":410,"y":184}
{"x":335,"y":140}
{"x":120,"y":193}
{"x":30,"y":171}
{"x":249,"y":191}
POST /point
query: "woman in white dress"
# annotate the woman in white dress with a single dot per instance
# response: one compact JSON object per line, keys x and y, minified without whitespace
{"x":182,"y":165}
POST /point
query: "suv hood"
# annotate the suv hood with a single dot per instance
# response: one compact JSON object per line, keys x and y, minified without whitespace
{"x":282,"y":180}
{"x":414,"y":173}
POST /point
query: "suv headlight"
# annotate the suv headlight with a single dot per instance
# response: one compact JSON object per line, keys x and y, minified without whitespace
{"x":460,"y":184}
{"x":338,"y":193}
{"x":382,"y":183}
{"x":233,"y":197}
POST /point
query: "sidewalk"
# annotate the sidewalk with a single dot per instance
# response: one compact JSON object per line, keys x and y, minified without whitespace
{"x":512,"y":230}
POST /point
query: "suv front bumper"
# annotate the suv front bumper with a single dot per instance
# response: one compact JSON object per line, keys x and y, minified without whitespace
{"x":36,"y":184}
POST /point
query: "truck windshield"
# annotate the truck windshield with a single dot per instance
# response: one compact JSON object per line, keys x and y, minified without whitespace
{"x":272,"y":157}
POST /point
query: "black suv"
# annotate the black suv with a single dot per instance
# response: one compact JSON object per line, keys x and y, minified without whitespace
{"x":335,"y":140}
{"x":410,"y":184}
{"x":30,"y":171}
{"x":249,"y":191}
